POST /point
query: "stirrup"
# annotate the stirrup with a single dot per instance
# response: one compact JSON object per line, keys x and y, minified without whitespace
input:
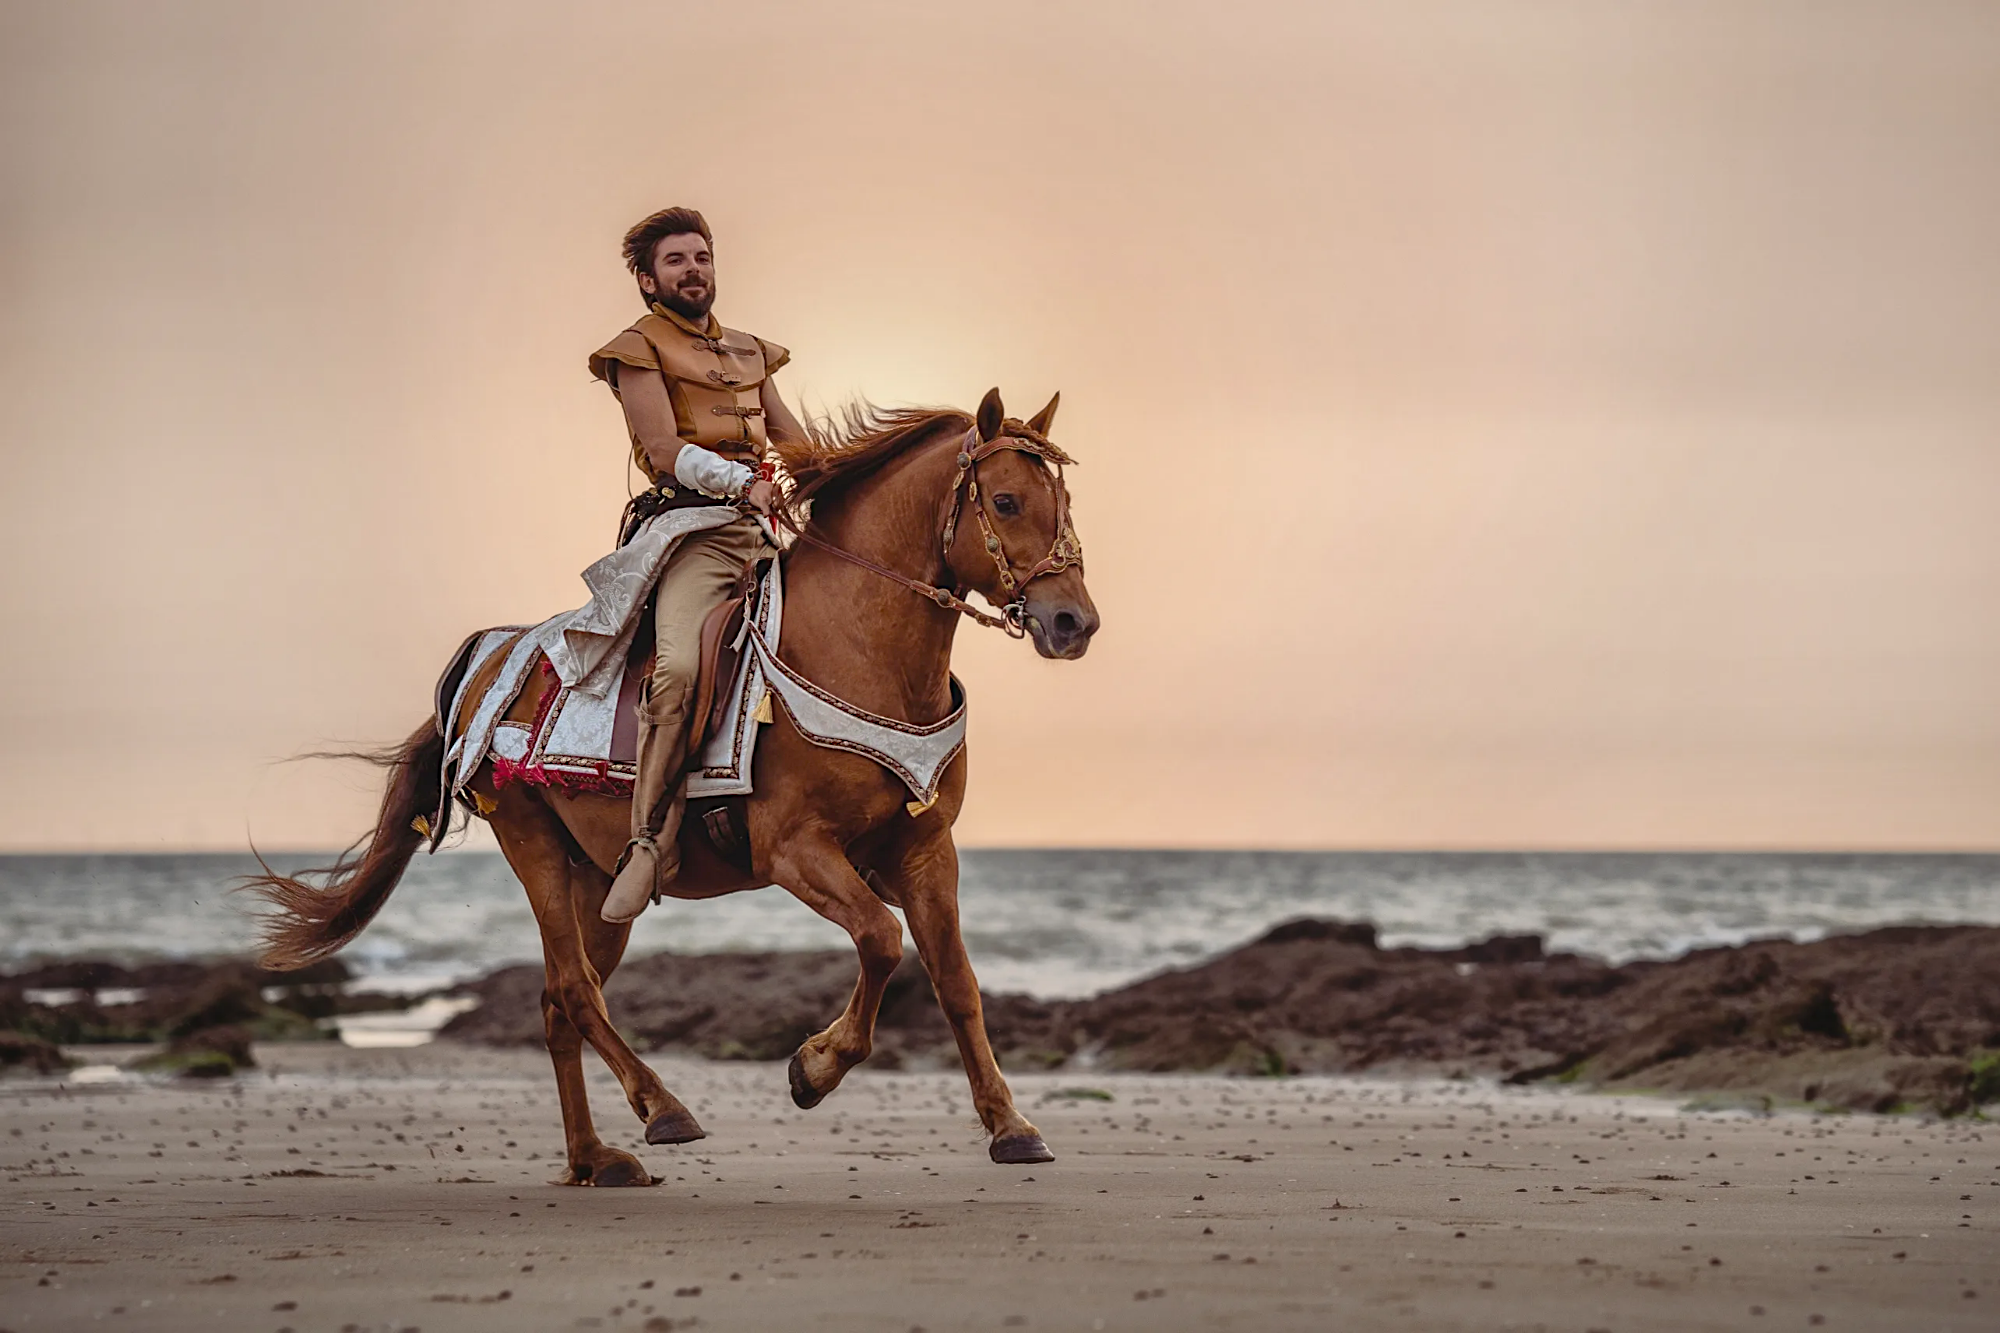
{"x":625,"y":857}
{"x":629,"y":907}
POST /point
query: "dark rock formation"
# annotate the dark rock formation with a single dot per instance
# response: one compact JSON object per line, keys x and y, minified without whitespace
{"x":204,"y":1052}
{"x":1888,"y":1018}
{"x":726,"y":1006}
{"x":20,"y":1052}
{"x":207,"y":1013}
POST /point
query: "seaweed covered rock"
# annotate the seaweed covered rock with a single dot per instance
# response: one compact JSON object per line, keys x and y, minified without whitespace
{"x":20,"y":1053}
{"x":1886,"y":1019}
{"x":207,"y":1052}
{"x":87,"y":1001}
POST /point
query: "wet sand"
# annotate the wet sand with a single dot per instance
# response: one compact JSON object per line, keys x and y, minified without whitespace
{"x":1192,"y":1202}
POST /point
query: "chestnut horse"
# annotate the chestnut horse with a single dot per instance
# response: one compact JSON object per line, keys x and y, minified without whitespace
{"x":931,"y":501}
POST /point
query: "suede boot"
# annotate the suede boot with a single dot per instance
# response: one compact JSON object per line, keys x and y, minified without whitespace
{"x":659,"y":798}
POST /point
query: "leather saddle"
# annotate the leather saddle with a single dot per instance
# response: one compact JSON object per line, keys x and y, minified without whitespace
{"x":721,"y":654}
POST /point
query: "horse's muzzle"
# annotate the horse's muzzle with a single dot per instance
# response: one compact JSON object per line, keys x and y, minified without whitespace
{"x":1062,"y":630}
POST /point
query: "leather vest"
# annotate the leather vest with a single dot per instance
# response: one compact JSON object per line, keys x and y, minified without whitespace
{"x":713,"y":383}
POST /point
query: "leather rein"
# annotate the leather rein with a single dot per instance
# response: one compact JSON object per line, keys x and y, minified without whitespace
{"x":1066,"y":550}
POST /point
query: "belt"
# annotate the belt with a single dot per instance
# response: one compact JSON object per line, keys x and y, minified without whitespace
{"x":648,"y":504}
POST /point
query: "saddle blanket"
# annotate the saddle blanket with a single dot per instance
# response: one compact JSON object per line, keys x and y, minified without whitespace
{"x":587,"y":741}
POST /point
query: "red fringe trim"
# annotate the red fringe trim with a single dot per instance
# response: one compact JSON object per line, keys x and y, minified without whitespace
{"x":601,"y":782}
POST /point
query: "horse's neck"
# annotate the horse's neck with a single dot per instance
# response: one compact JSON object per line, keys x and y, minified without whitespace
{"x":857,"y":635}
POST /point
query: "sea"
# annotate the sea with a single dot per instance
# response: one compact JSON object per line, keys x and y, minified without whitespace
{"x":1047,"y":923}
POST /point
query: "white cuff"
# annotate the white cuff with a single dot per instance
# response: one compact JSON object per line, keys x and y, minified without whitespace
{"x":711,"y":473}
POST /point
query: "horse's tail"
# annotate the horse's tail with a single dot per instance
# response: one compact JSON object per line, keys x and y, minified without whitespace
{"x":312,"y":919}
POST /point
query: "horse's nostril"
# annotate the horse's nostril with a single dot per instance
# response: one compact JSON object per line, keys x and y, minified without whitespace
{"x":1067,"y":624}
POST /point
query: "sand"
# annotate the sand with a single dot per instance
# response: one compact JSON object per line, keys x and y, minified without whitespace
{"x":1192,"y":1202}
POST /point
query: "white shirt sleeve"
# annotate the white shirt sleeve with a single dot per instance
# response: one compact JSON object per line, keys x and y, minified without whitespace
{"x":711,"y":473}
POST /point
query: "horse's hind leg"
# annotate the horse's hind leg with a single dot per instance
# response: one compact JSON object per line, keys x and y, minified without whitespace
{"x":604,"y":946}
{"x":591,"y":1160}
{"x":573,"y":1011}
{"x":820,"y":876}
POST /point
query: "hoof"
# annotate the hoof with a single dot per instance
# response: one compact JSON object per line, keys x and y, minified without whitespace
{"x":1020,"y":1150}
{"x":804,"y":1095}
{"x":673,"y":1127}
{"x":619,"y":1172}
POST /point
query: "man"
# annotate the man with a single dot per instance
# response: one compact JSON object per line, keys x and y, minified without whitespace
{"x":700,"y":406}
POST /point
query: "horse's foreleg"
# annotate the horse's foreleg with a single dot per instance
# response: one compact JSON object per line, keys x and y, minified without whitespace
{"x":821,"y":877}
{"x":926,"y":883}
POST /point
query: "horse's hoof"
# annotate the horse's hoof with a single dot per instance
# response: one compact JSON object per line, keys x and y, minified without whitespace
{"x":804,"y":1095}
{"x":673,"y":1127}
{"x":1020,"y":1150}
{"x":619,"y":1174}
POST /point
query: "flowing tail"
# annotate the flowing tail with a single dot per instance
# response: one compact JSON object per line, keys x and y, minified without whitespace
{"x":314,"y":919}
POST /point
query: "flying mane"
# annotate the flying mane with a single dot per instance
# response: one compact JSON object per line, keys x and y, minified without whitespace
{"x":860,"y":440}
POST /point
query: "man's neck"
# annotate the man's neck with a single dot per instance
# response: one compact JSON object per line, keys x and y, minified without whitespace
{"x":708,"y":328}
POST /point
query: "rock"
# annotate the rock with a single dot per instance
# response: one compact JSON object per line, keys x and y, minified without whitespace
{"x":175,"y":998}
{"x":18,"y":1051}
{"x":210,"y":1052}
{"x":1901,"y":1017}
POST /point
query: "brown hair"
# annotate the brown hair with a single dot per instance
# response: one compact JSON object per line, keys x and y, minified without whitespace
{"x":647,"y":234}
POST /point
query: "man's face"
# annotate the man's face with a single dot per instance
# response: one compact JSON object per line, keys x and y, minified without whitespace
{"x":683,"y":276}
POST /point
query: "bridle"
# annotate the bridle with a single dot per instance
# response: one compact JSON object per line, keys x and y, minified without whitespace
{"x":1066,"y":550}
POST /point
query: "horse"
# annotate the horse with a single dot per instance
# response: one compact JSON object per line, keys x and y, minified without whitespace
{"x":876,"y":504}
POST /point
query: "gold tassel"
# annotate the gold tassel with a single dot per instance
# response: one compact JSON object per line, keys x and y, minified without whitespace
{"x":483,"y":803}
{"x":422,"y":825}
{"x":918,"y":807}
{"x":763,"y":713}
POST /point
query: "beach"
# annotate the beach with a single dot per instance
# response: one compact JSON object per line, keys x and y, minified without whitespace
{"x":332,"y":1188}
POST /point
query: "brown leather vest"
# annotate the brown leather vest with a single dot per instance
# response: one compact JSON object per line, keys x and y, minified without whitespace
{"x":713,"y":383}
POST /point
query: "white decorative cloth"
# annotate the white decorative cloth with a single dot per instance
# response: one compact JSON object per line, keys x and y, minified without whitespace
{"x":589,"y":644}
{"x":917,"y":755}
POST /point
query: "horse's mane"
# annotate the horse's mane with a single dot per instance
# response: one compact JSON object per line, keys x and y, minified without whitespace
{"x":864,"y":436}
{"x":860,"y":439}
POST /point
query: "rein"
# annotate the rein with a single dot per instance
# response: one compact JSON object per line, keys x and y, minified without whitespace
{"x":1065,"y":551}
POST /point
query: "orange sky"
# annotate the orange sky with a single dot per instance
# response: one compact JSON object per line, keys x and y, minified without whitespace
{"x":1620,"y":385}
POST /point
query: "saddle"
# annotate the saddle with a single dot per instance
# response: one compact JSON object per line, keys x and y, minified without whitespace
{"x":557,"y":747}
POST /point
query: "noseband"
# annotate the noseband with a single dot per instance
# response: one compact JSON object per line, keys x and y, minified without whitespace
{"x":1065,"y":551}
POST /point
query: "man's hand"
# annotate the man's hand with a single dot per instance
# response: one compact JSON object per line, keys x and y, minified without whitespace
{"x":762,"y":496}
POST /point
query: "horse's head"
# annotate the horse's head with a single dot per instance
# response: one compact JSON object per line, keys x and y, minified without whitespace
{"x":1012,"y":538}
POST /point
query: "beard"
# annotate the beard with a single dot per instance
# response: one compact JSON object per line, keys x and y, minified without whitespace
{"x":690,"y":308}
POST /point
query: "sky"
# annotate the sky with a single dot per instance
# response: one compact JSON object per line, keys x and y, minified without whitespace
{"x":1539,"y":425}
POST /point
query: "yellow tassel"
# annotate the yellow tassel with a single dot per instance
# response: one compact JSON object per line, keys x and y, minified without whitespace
{"x":918,"y":807}
{"x":483,"y":803}
{"x":763,"y":713}
{"x":422,"y":825}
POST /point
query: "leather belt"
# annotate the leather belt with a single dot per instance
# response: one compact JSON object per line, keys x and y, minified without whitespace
{"x":647,"y":504}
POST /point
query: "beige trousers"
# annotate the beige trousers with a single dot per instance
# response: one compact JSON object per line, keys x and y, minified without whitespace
{"x":699,"y":575}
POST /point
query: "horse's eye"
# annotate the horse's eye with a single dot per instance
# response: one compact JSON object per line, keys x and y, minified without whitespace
{"x":1006,"y":505}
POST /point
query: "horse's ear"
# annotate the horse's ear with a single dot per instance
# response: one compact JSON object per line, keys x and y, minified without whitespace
{"x":991,"y":416}
{"x":1039,"y":423}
